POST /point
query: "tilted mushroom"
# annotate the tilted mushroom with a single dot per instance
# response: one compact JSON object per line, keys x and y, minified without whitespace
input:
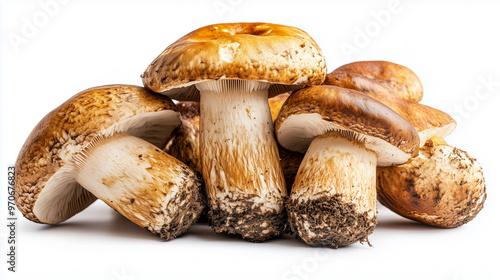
{"x":346,"y":135}
{"x":442,"y":186}
{"x":397,"y":78}
{"x":104,"y":143}
{"x":233,"y":69}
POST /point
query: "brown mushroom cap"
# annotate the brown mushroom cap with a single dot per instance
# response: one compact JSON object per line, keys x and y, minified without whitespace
{"x":427,"y":121}
{"x":316,"y":110}
{"x":66,"y":130}
{"x":400,"y":79}
{"x":284,"y":56}
{"x":443,"y":186}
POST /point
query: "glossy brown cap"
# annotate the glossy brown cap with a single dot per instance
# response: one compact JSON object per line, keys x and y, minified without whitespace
{"x":427,"y":121}
{"x":66,"y":130}
{"x":402,"y":80}
{"x":284,"y":56}
{"x":317,"y":110}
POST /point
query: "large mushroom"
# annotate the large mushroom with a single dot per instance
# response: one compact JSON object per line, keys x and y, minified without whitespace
{"x":233,"y":69}
{"x":442,"y":185}
{"x":345,"y":135}
{"x":104,"y":143}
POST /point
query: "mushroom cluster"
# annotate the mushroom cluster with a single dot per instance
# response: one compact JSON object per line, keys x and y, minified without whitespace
{"x":261,"y":141}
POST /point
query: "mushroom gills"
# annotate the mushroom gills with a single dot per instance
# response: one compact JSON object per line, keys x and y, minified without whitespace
{"x":240,"y":161}
{"x":333,"y":198}
{"x":143,"y":183}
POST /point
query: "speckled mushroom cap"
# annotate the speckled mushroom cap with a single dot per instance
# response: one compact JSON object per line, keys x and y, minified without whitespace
{"x":317,"y":110}
{"x":402,"y":80}
{"x":443,"y":186}
{"x":284,"y":56}
{"x":427,"y":121}
{"x":105,"y":110}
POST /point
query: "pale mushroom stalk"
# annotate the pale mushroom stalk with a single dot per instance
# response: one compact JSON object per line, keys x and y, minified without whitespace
{"x":240,"y":161}
{"x":137,"y":179}
{"x":341,"y":172}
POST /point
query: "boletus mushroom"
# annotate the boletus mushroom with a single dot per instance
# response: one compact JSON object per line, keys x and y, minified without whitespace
{"x":104,"y":143}
{"x":232,"y":69}
{"x":443,"y":186}
{"x":345,"y":135}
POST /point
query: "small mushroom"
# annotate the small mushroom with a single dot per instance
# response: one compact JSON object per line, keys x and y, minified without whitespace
{"x":232,"y":69}
{"x":345,"y":135}
{"x":104,"y":143}
{"x":443,"y":186}
{"x":397,"y":78}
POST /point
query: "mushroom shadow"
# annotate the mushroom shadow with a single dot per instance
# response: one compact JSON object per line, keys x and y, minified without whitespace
{"x":203,"y":232}
{"x":116,"y":226}
{"x":404,"y":224}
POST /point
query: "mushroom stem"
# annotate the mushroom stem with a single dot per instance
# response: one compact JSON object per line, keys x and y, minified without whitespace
{"x":333,"y":198}
{"x":240,"y":161}
{"x":146,"y":185}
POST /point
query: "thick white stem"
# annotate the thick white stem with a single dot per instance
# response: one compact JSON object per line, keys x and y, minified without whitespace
{"x":335,"y":171}
{"x":240,"y":160}
{"x":136,"y":178}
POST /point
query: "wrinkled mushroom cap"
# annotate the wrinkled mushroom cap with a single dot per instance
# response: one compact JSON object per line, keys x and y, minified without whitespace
{"x":284,"y":56}
{"x":66,"y":130}
{"x":443,"y":186}
{"x":317,"y":110}
{"x":402,"y":80}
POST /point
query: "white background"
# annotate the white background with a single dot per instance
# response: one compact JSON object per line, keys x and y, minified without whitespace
{"x":50,"y":54}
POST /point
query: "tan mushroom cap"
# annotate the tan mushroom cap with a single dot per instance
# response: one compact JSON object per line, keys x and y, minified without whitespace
{"x":316,"y":110}
{"x":427,"y":121}
{"x":282,"y":55}
{"x":443,"y":186}
{"x":402,"y":80}
{"x":66,"y":130}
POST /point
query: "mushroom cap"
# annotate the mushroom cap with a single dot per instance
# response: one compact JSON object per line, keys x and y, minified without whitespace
{"x":443,"y":186}
{"x":317,"y":110}
{"x":66,"y":130}
{"x":427,"y":121}
{"x":284,"y":56}
{"x":402,"y":80}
